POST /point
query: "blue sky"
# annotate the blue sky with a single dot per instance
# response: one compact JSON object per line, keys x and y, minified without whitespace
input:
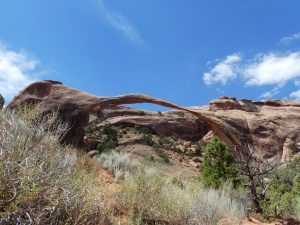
{"x":187,"y":52}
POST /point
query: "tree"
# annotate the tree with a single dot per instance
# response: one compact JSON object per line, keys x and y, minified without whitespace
{"x":218,"y":165}
{"x":253,"y":170}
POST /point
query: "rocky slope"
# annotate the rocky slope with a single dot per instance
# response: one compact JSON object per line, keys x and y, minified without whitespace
{"x":271,"y":128}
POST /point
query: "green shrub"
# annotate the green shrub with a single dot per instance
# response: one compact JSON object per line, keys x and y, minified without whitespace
{"x":148,"y":139}
{"x":110,"y":139}
{"x":162,"y":155}
{"x":218,"y":165}
{"x":107,"y":145}
{"x":163,"y":140}
{"x":284,"y":190}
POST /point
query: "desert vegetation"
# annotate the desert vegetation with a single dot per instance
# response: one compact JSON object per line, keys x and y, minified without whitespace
{"x":44,"y":181}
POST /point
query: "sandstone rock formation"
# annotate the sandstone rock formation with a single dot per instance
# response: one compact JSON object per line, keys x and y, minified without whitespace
{"x":262,"y":125}
{"x":1,"y":101}
{"x":80,"y":109}
{"x":268,"y":127}
{"x":288,"y":150}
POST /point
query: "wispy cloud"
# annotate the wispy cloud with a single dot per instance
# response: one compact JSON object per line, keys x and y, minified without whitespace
{"x":273,"y":92}
{"x":120,"y":23}
{"x":17,"y":69}
{"x":290,"y":39}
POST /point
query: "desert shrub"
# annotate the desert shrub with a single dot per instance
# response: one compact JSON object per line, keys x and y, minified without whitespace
{"x":107,"y":145}
{"x":108,"y":129}
{"x":159,"y":113}
{"x":110,"y":141}
{"x":218,"y":165}
{"x":119,"y":163}
{"x":148,"y":139}
{"x":174,"y":148}
{"x":141,"y":113}
{"x":199,"y":146}
{"x":150,"y":198}
{"x":297,"y":208}
{"x":142,"y":129}
{"x":283,"y":192}
{"x":163,"y":140}
{"x":214,"y":205}
{"x":39,"y":181}
{"x":162,"y":154}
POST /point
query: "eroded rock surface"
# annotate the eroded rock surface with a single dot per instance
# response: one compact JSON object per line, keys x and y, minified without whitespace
{"x":263,"y":125}
{"x":1,"y":101}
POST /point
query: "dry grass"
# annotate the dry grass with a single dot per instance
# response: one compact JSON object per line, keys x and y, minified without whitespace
{"x":155,"y":199}
{"x":39,"y":183}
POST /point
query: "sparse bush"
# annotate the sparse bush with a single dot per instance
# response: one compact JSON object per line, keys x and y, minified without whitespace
{"x":163,"y":140}
{"x":162,"y":154}
{"x":218,"y":165}
{"x":214,"y":205}
{"x":107,"y":145}
{"x":159,"y":113}
{"x":150,"y":198}
{"x":141,"y":113}
{"x":109,"y":130}
{"x":156,"y":199}
{"x":148,"y":139}
{"x":39,"y":182}
{"x":110,"y":139}
{"x":119,"y":163}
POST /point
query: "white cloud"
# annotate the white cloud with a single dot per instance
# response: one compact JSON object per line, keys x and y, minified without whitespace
{"x":224,"y":71}
{"x":275,"y":69}
{"x":295,"y":95}
{"x":289,"y":39}
{"x":264,"y":69}
{"x":120,"y":23}
{"x":272,"y":69}
{"x":17,"y":69}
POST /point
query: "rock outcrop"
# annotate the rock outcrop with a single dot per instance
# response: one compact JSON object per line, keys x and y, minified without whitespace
{"x":1,"y":101}
{"x":262,"y":125}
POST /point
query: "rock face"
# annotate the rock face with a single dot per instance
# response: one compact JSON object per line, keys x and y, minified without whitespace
{"x":1,"y":101}
{"x":230,"y":103}
{"x":289,"y":148}
{"x":262,"y":125}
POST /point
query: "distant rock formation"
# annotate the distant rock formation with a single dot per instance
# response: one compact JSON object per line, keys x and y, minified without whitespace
{"x":263,"y":125}
{"x":1,"y":101}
